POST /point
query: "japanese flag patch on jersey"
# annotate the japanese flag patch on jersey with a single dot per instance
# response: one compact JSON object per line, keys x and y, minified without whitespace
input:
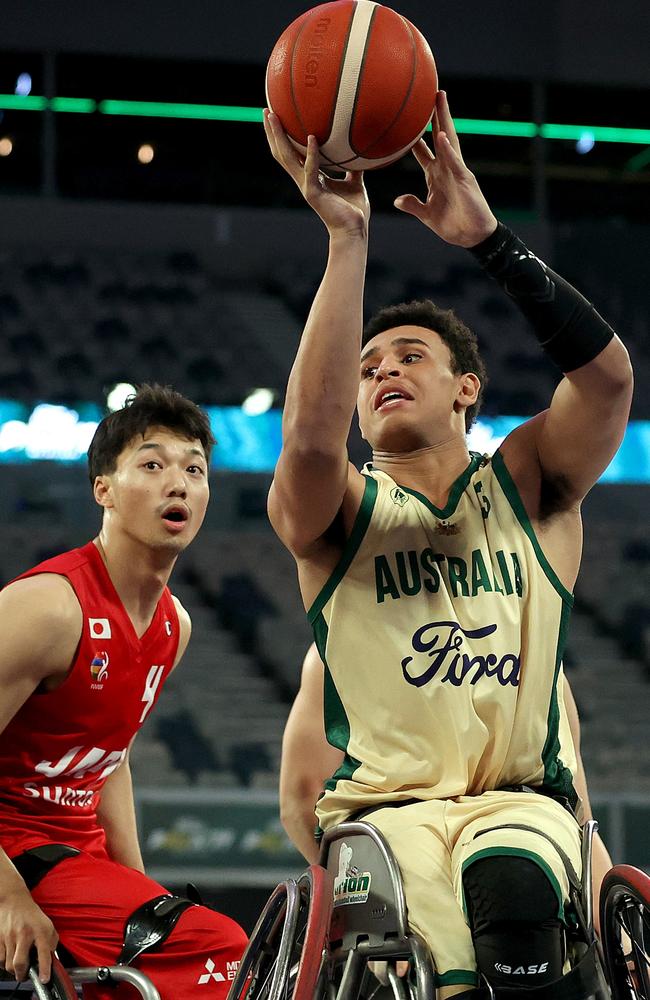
{"x":100,"y":628}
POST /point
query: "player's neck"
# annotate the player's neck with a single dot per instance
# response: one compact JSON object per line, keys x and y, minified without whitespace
{"x":138,"y":573}
{"x":431,"y":470}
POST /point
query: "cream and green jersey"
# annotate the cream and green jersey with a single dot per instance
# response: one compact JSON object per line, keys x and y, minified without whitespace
{"x":442,"y":634}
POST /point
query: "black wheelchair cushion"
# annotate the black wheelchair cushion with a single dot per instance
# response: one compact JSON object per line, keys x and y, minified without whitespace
{"x":151,"y":924}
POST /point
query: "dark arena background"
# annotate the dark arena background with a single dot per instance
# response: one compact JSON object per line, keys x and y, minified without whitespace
{"x":146,"y":234}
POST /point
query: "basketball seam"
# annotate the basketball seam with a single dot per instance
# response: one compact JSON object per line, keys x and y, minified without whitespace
{"x":361,"y":152}
{"x":359,"y":78}
{"x":344,"y":119}
{"x":338,"y":83}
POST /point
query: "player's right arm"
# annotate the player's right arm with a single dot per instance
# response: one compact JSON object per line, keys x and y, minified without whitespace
{"x":307,"y":758}
{"x":313,"y":474}
{"x":40,"y":627}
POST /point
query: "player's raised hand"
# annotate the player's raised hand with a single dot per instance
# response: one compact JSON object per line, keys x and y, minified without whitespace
{"x":23,"y":927}
{"x":455,"y":207}
{"x":341,"y":203}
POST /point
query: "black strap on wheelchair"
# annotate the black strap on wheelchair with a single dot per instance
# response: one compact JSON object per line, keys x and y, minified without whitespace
{"x":151,"y":924}
{"x":34,"y":864}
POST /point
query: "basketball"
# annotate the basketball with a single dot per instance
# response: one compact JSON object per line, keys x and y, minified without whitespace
{"x":359,"y":77}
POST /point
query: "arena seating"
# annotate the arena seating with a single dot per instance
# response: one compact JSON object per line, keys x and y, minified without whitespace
{"x":73,"y":322}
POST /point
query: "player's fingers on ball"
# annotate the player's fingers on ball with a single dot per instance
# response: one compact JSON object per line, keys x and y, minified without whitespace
{"x":280,"y":145}
{"x":312,"y":160}
{"x":423,"y":153}
{"x":446,"y":121}
{"x":270,"y":134}
{"x":449,"y":155}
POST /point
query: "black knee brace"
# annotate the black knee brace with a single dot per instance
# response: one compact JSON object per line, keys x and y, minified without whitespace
{"x":512,"y":910}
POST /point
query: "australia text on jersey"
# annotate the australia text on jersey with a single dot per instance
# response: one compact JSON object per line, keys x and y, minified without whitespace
{"x":400,"y":574}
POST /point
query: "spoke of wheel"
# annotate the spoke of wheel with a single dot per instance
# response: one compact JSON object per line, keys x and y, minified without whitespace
{"x":631,"y":920}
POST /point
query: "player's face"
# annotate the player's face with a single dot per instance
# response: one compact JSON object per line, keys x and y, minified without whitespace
{"x":159,"y":491}
{"x":408,"y":394}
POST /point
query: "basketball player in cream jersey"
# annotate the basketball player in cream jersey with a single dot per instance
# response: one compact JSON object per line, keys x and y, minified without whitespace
{"x":308,"y":760}
{"x":438,"y":583}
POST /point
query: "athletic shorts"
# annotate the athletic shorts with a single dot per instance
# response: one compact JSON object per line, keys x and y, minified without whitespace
{"x":88,"y":899}
{"x":434,"y":841}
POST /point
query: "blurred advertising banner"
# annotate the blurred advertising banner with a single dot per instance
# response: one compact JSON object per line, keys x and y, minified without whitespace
{"x":215,"y":837}
{"x":234,"y":837}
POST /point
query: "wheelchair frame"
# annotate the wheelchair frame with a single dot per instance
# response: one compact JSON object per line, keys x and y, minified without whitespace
{"x":273,"y":966}
{"x":64,"y":982}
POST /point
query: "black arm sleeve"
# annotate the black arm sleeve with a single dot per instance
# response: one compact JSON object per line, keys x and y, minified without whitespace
{"x":570,"y":330}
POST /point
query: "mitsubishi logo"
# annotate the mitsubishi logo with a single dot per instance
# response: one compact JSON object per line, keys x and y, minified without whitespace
{"x":211,"y":974}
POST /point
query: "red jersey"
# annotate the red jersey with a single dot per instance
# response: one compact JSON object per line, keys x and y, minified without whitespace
{"x":62,"y":745}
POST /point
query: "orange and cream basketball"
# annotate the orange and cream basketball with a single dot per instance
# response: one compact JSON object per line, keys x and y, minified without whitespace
{"x":359,"y":77}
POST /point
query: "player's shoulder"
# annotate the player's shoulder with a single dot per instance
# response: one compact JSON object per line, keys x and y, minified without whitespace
{"x":46,"y":600}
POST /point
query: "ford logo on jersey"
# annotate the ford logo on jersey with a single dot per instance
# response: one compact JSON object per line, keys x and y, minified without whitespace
{"x":444,"y":641}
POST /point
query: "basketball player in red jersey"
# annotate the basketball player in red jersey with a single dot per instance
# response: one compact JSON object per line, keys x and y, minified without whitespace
{"x":87,"y":640}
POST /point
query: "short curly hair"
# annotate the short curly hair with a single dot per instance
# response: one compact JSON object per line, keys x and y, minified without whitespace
{"x":460,"y":340}
{"x":150,"y":406}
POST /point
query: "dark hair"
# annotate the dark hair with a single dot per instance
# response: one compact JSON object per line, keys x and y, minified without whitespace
{"x":150,"y":406}
{"x":460,"y":340}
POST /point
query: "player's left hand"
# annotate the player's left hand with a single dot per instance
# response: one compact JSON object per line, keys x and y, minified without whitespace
{"x":455,"y":208}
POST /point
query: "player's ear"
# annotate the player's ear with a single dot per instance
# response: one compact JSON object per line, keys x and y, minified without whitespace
{"x":103,"y":491}
{"x":468,"y":390}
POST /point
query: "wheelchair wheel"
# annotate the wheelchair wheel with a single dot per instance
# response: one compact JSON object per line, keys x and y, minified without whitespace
{"x":316,"y":899}
{"x":625,"y":930}
{"x":284,"y":957}
{"x":60,"y":986}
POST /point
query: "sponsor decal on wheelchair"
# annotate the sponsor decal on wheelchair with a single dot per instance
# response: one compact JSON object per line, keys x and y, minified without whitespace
{"x":520,"y":970}
{"x":350,"y":885}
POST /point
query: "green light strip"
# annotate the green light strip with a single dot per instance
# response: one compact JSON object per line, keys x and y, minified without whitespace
{"x":13,"y":102}
{"x":233,"y":113}
{"x":480,"y":126}
{"x":154,"y":109}
{"x":76,"y":105}
{"x":601,"y":133}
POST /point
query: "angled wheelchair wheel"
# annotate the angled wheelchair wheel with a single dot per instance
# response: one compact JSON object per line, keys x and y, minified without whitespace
{"x":284,"y":957}
{"x":310,"y":944}
{"x":60,"y":986}
{"x":625,"y":931}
